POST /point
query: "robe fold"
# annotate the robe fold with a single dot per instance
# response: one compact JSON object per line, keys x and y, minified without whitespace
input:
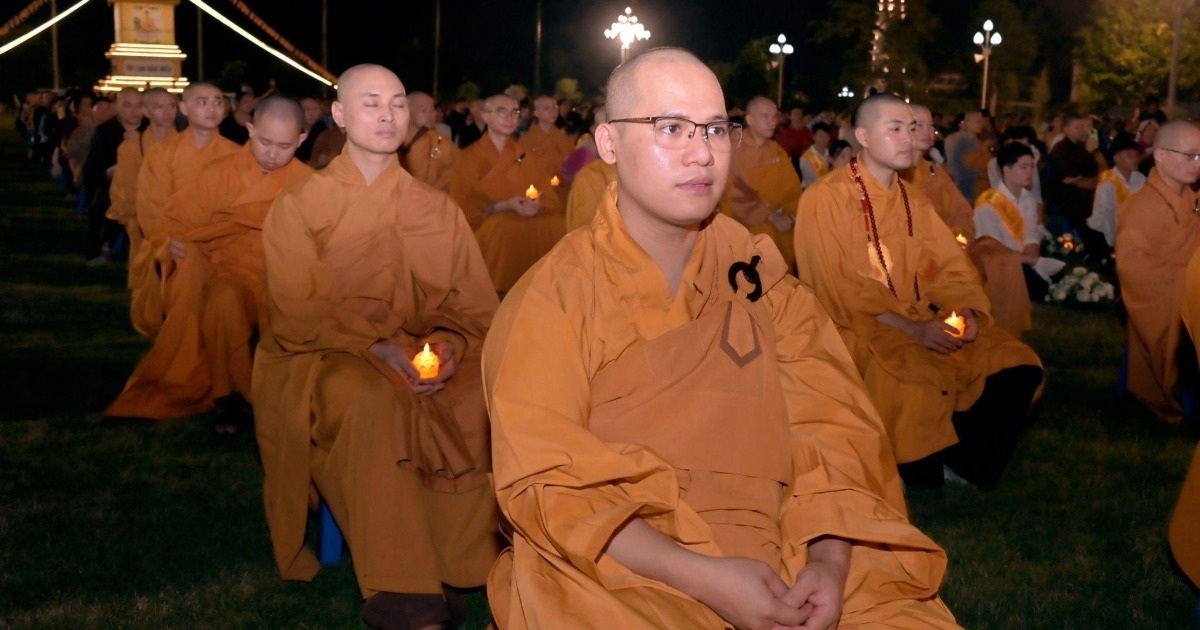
{"x":123,"y":191}
{"x":1158,"y":231}
{"x":510,"y":243}
{"x":587,"y":192}
{"x":768,"y":171}
{"x":551,"y":148}
{"x":1184,"y":532}
{"x":212,"y":294}
{"x":611,"y":399}
{"x":350,"y":264}
{"x":430,"y":158}
{"x":165,"y":169}
{"x":916,"y":390}
{"x":954,"y":209}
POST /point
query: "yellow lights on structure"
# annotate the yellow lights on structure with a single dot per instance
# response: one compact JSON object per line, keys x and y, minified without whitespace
{"x":258,"y":42}
{"x":627,"y":30}
{"x":118,"y":82}
{"x":35,"y":32}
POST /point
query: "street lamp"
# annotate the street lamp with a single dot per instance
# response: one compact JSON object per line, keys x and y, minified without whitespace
{"x":988,"y":38}
{"x":627,"y":30}
{"x":781,"y":49}
{"x":846,"y":92}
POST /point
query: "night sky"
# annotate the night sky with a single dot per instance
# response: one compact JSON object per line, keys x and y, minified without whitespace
{"x":481,"y":42}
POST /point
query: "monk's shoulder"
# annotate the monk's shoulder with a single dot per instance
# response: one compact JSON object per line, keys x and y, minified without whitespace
{"x":431,"y":201}
{"x":566,"y":274}
{"x":831,"y":195}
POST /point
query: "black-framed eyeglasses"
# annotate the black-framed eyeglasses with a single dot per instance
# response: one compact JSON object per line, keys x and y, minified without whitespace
{"x":1190,"y":157}
{"x":504,"y":112}
{"x":675,"y":132}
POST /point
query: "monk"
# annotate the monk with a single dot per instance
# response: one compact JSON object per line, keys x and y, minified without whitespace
{"x":591,"y":182}
{"x":1184,"y":533}
{"x":165,"y":169}
{"x":213,"y":277}
{"x":889,"y":272}
{"x":614,"y":374}
{"x":544,"y":141}
{"x":933,"y":180}
{"x":1158,"y":231}
{"x":507,"y":196}
{"x":365,"y":265}
{"x":161,"y":107}
{"x":1009,"y":242}
{"x":764,"y":188}
{"x":426,"y":153}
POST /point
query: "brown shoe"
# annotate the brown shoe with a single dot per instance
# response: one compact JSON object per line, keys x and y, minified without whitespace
{"x":404,"y":611}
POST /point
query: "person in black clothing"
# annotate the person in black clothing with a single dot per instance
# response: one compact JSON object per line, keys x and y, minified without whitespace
{"x":1076,"y":171}
{"x":234,"y":125}
{"x":314,"y":125}
{"x":98,"y":168}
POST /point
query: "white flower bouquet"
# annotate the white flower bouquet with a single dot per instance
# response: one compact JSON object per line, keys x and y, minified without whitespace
{"x":1081,"y":286}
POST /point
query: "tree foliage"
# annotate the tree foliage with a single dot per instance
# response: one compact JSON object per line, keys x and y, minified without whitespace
{"x":903,"y":66}
{"x":751,"y":74}
{"x":1125,"y":52}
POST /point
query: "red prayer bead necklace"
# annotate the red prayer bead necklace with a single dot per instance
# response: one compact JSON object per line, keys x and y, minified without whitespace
{"x":873,"y":232}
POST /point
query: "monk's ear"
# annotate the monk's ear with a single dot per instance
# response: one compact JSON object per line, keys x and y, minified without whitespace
{"x":606,"y":143}
{"x":300,"y":140}
{"x":339,"y":114}
{"x":860,"y":134}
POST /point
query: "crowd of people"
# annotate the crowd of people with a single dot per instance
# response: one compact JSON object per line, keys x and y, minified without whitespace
{"x":686,"y":354}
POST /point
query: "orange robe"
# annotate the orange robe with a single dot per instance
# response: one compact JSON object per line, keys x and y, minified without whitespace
{"x":1000,"y":266}
{"x":510,"y":243}
{"x":768,"y":171}
{"x":954,"y":209}
{"x":1157,"y":234}
{"x":328,"y":145}
{"x":916,"y":390}
{"x":165,"y":169}
{"x":1184,"y":533}
{"x":430,"y":158}
{"x":551,"y":148}
{"x":587,"y":191}
{"x":212,"y":294}
{"x":123,"y":191}
{"x":610,"y":399}
{"x":978,"y":160}
{"x":350,"y":264}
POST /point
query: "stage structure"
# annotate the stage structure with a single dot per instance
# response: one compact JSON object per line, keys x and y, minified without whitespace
{"x":144,"y":54}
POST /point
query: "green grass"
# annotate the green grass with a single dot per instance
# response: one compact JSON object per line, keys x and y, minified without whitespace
{"x":161,"y":525}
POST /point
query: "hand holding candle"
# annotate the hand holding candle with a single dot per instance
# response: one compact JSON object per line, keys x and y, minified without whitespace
{"x":956,"y":322}
{"x":962,"y":241}
{"x":532,"y":193}
{"x":427,"y":363}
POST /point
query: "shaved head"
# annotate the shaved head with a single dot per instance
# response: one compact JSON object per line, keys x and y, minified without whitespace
{"x":192,"y":87}
{"x":762,"y":116}
{"x":281,"y":108}
{"x":870,"y":110}
{"x":760,"y":102}
{"x":349,"y":83}
{"x":1174,"y":132}
{"x":422,"y":107}
{"x":622,"y":85}
{"x":1177,"y":142}
{"x":372,"y":107}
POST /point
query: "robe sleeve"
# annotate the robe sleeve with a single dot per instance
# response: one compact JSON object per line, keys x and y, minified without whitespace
{"x":153,"y":191}
{"x":123,"y":189}
{"x":563,"y":489}
{"x":464,"y":186}
{"x":948,"y":278}
{"x":584,"y":197}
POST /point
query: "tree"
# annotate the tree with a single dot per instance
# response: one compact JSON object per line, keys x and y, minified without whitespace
{"x":1125,"y":53}
{"x":568,"y":88}
{"x":900,"y":63}
{"x":750,"y":75}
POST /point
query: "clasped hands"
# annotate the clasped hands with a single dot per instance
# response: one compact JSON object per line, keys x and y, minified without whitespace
{"x":400,"y":360}
{"x":520,"y":206}
{"x":937,"y":335}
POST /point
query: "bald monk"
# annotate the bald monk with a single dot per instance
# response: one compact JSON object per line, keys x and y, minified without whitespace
{"x":161,"y":107}
{"x":933,"y":180}
{"x":549,"y":144}
{"x":1158,"y":231}
{"x":763,"y":187}
{"x":1184,"y":533}
{"x":889,"y":271}
{"x":614,"y":372}
{"x":213,"y":277}
{"x":365,"y":265}
{"x":164,"y":171}
{"x":426,"y":153}
{"x":490,"y":181}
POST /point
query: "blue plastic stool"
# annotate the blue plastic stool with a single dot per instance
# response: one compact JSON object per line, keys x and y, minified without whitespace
{"x":329,"y":537}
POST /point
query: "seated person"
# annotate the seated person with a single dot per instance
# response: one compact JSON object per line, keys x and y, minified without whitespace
{"x":1116,"y":185}
{"x":679,"y":437}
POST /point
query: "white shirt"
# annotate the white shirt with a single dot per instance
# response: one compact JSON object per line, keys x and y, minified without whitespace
{"x":994,"y":176}
{"x":989,"y":223}
{"x":808,"y":174}
{"x":1104,"y":205}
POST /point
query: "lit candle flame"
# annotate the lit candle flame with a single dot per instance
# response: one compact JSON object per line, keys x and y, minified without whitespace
{"x":554,"y":181}
{"x":427,"y":363}
{"x":956,"y":322}
{"x":532,"y":192}
{"x":962,"y":240}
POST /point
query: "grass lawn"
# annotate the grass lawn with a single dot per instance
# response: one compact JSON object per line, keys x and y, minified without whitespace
{"x":162,"y":525}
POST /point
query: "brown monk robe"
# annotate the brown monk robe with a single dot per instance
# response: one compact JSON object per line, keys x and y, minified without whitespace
{"x":763,"y":186}
{"x":549,"y":144}
{"x":889,"y":271}
{"x":1158,"y":231}
{"x":364,"y":266}
{"x":587,"y":192}
{"x":615,"y":371}
{"x":165,"y":169}
{"x":933,"y":180}
{"x":427,"y":154}
{"x":1184,"y":532}
{"x":490,"y":182}
{"x":213,"y":273}
{"x":161,"y":107}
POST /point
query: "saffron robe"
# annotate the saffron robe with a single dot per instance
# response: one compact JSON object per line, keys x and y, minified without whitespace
{"x":551,"y":148}
{"x":916,"y":390}
{"x":954,"y":209}
{"x":1158,"y":231}
{"x":510,"y":243}
{"x":587,"y":192}
{"x":350,"y":264}
{"x":430,"y":158}
{"x":769,"y":172}
{"x":123,"y":191}
{"x":612,"y":400}
{"x":1005,"y":226}
{"x":165,"y":169}
{"x":1184,"y":533}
